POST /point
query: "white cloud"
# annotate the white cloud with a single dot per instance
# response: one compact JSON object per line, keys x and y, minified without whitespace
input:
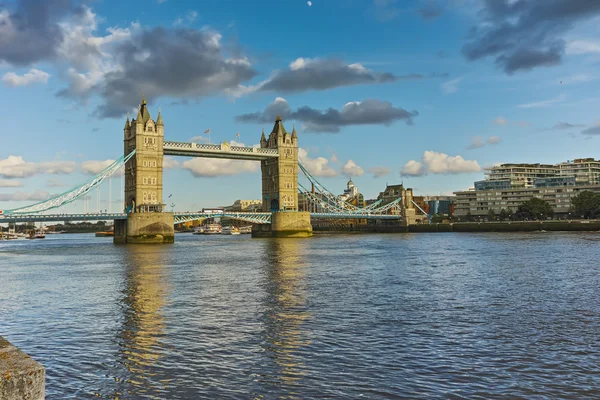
{"x":582,"y":47}
{"x":208,"y":167}
{"x":441,"y":163}
{"x":378,"y":172}
{"x":189,"y":18}
{"x":57,"y":167}
{"x":351,"y":169}
{"x":544,"y":103}
{"x":10,"y":183}
{"x":20,"y":196}
{"x":31,"y":77}
{"x":500,"y":121}
{"x":451,"y":86}
{"x":476,"y":142}
{"x":16,"y":167}
{"x":309,"y":3}
{"x":94,"y":167}
{"x":170,"y":163}
{"x":494,"y":140}
{"x":413,"y":168}
{"x":318,"y":166}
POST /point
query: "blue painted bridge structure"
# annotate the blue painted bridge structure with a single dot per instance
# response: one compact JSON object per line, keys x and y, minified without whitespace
{"x":180,"y":217}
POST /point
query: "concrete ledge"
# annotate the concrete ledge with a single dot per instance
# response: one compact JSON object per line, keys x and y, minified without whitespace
{"x":21,"y":378}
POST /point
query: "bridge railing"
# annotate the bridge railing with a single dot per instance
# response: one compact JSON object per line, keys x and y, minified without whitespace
{"x":218,"y":147}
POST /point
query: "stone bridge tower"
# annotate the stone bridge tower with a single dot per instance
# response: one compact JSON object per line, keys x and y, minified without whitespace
{"x":146,"y":221}
{"x":280,"y":175}
{"x":280,"y":187}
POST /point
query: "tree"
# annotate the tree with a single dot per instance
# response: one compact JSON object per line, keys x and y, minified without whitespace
{"x":470,"y":216}
{"x":586,"y":203}
{"x":534,"y":209}
{"x":503,"y":215}
{"x":491,"y":215}
{"x":437,"y":218}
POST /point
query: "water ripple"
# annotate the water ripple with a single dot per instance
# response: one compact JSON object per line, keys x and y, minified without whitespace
{"x":480,"y":316}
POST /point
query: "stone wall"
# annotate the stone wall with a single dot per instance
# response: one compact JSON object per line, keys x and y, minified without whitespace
{"x":285,"y":224}
{"x":21,"y":378}
{"x":150,"y":228}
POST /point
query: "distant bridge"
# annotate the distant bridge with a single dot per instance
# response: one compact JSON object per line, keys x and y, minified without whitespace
{"x":180,"y":217}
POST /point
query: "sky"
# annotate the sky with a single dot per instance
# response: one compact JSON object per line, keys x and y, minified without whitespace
{"x":427,"y":93}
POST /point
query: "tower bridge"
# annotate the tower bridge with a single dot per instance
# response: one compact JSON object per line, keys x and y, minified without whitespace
{"x":146,"y":220}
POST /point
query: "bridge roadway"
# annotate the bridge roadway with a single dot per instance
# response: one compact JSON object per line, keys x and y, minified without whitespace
{"x":180,"y":217}
{"x":223,"y":150}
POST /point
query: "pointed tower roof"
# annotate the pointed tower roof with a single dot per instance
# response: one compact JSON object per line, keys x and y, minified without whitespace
{"x":294,"y":135}
{"x":159,"y":120}
{"x":127,"y":124}
{"x":144,"y":111}
{"x":262,"y":137}
{"x":139,"y":118}
{"x":278,"y":127}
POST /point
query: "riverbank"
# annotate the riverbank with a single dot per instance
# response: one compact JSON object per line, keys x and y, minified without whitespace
{"x":504,"y":226}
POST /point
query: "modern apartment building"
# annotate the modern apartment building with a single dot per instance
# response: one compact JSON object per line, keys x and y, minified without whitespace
{"x":578,"y":172}
{"x":507,"y":186}
{"x":507,"y":176}
{"x":585,"y":171}
{"x":479,"y":202}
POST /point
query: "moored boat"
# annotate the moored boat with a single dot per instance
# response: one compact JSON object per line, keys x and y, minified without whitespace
{"x":212,"y":229}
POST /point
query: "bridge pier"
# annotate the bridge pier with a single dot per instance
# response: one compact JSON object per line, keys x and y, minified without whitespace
{"x":145,"y":228}
{"x":292,"y":224}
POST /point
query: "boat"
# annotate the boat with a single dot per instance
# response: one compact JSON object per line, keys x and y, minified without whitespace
{"x":212,"y":229}
{"x":230,"y":230}
{"x":37,"y":234}
{"x":198,"y":230}
{"x":105,"y":234}
{"x":246,"y":229}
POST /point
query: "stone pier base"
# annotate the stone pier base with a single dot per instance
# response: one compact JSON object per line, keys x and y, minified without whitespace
{"x":21,"y":378}
{"x":285,"y":224}
{"x":144,"y":228}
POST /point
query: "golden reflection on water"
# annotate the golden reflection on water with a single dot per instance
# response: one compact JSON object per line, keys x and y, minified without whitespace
{"x":286,"y":309}
{"x":145,"y":292}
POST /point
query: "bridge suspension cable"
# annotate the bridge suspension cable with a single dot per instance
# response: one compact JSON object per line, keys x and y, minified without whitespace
{"x":75,"y":193}
{"x":330,"y":202}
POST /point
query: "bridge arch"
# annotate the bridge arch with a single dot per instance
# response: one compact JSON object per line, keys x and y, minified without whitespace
{"x":274,"y":205}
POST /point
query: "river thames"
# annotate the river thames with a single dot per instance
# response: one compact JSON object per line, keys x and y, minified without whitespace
{"x":335,"y":316}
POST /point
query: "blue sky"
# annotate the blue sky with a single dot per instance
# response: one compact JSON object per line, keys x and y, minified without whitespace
{"x":423,"y":92}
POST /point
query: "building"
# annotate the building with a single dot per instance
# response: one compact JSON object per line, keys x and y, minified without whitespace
{"x":578,"y":172}
{"x":352,"y":196}
{"x":479,"y":202}
{"x":507,"y":176}
{"x":585,"y":171}
{"x":507,"y":186}
{"x":246,"y":206}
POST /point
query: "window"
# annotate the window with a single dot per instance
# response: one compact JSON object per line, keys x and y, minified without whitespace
{"x":145,"y":196}
{"x":145,"y":163}
{"x":145,"y":181}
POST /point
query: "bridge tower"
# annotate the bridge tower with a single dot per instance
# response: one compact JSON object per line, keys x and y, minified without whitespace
{"x":280,"y":186}
{"x":146,"y":221}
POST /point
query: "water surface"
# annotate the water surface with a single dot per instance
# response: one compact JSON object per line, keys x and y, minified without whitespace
{"x":336,"y":316}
